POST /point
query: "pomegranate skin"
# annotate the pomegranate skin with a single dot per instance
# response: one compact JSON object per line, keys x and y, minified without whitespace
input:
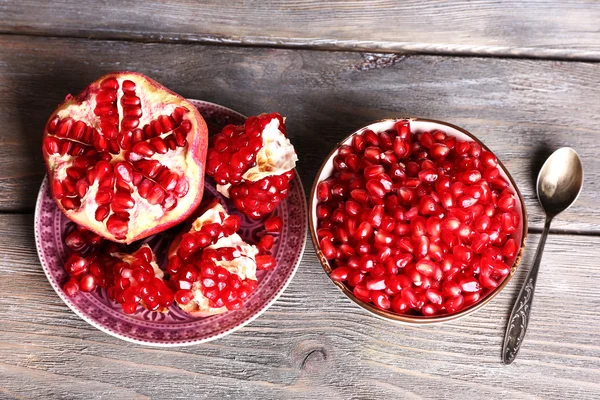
{"x":131,"y":216}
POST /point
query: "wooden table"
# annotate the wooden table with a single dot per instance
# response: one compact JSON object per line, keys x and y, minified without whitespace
{"x":523,"y":76}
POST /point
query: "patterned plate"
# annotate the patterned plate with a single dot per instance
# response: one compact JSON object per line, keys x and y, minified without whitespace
{"x":176,"y":328}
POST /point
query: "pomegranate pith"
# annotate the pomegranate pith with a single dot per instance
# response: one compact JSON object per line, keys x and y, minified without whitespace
{"x":417,"y":223}
{"x":253,"y":164}
{"x":125,"y":157}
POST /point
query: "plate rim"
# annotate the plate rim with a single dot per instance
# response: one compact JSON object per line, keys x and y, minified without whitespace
{"x":83,"y":316}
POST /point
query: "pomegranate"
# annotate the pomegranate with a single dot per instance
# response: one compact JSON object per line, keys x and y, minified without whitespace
{"x":212,"y":269}
{"x":416,"y":223}
{"x":125,"y":157}
{"x":253,"y":164}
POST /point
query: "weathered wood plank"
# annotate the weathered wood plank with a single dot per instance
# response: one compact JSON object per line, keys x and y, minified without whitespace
{"x":550,"y":29}
{"x":312,"y":343}
{"x":521,"y":108}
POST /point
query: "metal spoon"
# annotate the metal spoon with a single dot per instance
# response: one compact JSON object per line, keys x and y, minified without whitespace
{"x":558,"y":185}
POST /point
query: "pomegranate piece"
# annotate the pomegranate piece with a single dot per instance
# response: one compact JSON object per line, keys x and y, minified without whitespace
{"x":212,"y":269}
{"x":426,"y":229}
{"x":130,"y":279}
{"x":138,"y":280}
{"x":124,"y":147}
{"x":253,"y":164}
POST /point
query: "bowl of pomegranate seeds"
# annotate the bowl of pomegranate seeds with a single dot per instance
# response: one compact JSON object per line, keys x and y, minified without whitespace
{"x":417,"y":221}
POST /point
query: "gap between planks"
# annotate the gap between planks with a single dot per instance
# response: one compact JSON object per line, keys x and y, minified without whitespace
{"x":336,"y":45}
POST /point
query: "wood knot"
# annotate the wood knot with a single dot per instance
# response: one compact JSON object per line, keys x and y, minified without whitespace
{"x":311,"y":355}
{"x":313,"y":359}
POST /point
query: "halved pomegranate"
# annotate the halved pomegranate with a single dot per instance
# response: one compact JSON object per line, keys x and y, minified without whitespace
{"x":125,"y":157}
{"x":253,"y":164}
{"x":212,"y":269}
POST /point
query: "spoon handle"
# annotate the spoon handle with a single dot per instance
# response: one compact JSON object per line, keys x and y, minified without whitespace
{"x":519,"y":318}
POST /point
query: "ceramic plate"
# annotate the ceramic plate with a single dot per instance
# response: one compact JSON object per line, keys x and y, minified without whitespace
{"x":176,"y":328}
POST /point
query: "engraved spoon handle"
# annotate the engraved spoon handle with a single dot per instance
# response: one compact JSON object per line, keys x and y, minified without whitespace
{"x":519,"y":318}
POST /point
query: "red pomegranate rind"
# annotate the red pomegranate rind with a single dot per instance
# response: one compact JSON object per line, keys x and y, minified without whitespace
{"x":253,"y":163}
{"x":212,"y":269}
{"x":125,"y":157}
{"x":417,"y":223}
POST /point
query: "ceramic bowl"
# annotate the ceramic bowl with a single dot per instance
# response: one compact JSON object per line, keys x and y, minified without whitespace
{"x":418,"y":125}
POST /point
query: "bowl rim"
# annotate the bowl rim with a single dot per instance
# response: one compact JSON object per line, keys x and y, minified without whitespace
{"x":414,"y":319}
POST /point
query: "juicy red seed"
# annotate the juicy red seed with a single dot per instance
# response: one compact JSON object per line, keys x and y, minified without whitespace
{"x":399,"y":305}
{"x":75,"y":240}
{"x":426,"y":267}
{"x":340,"y":274}
{"x":71,"y":288}
{"x":428,"y":175}
{"x":380,"y":299}
{"x":451,"y":289}
{"x":327,"y":249}
{"x":454,"y":304}
{"x":274,"y":224}
{"x":362,"y":293}
{"x":469,"y":285}
{"x":434,"y":296}
{"x":510,"y":248}
{"x":184,"y":296}
{"x":88,"y":283}
{"x":266,"y":243}
{"x":265,"y":262}
{"x":506,"y":202}
{"x":376,"y":283}
{"x":410,"y":297}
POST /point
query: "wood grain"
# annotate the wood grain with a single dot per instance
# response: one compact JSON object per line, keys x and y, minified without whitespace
{"x":312,"y":343}
{"x":539,"y":28}
{"x":522,"y":109}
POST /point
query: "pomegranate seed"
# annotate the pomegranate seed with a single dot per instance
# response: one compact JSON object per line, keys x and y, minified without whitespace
{"x":364,"y":231}
{"x":375,"y":188}
{"x":71,"y":288}
{"x":266,"y":243}
{"x":510,"y":248}
{"x":380,"y":299}
{"x":362,"y":293}
{"x":451,"y":289}
{"x":434,"y":296}
{"x":454,"y":304}
{"x":376,"y":284}
{"x":265,"y":262}
{"x":340,"y":274}
{"x":469,"y":285}
{"x":426,"y":267}
{"x":273,"y":224}
{"x":88,"y":283}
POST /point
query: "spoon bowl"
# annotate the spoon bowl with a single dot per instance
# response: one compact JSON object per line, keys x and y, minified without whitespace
{"x":560,"y":181}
